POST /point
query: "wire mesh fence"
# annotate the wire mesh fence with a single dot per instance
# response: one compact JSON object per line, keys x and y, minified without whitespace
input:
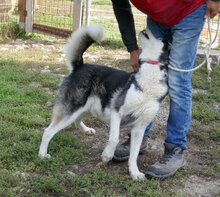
{"x":8,"y":19}
{"x":8,"y":11}
{"x":59,"y":14}
{"x":5,"y":8}
{"x":56,"y":17}
{"x":102,"y":11}
{"x":56,"y":13}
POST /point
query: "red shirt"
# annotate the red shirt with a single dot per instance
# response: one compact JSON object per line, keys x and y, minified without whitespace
{"x":167,"y":12}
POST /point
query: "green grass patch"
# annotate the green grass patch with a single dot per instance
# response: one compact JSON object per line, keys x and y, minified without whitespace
{"x":7,"y":182}
{"x":100,"y":182}
{"x":23,"y":114}
{"x":203,"y":109}
{"x":203,"y":113}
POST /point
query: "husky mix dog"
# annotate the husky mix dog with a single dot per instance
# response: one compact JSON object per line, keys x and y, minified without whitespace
{"x":115,"y":96}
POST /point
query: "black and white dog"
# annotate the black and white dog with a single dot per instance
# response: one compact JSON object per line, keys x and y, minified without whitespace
{"x":115,"y":96}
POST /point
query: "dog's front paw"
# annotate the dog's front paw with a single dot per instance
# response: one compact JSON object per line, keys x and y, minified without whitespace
{"x":46,"y":156}
{"x":107,"y":154}
{"x":138,"y":176}
{"x":106,"y":157}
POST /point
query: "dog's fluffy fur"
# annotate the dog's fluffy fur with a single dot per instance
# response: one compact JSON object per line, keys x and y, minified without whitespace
{"x":115,"y":96}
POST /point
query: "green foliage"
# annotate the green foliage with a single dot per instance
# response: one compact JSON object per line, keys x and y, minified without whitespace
{"x":45,"y":185}
{"x":7,"y":181}
{"x":213,"y":170}
{"x":203,"y":101}
{"x":203,"y":113}
{"x":9,"y":31}
{"x":99,"y":182}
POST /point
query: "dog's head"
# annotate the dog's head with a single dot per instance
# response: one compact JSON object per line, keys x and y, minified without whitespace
{"x":153,"y":49}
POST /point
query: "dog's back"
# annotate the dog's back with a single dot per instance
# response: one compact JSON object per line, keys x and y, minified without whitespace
{"x":91,"y":81}
{"x":99,"y":89}
{"x":88,"y":84}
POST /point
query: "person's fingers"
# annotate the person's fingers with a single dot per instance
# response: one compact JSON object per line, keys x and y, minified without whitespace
{"x":213,"y":14}
{"x":207,"y":14}
{"x":213,"y":8}
{"x":210,"y":13}
{"x":134,"y":56}
{"x":135,"y":67}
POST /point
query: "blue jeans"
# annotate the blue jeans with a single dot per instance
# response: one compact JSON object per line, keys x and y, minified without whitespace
{"x":185,"y":38}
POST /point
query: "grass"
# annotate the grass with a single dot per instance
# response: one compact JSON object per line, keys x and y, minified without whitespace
{"x":26,"y":97}
{"x":203,"y":110}
{"x":206,"y":118}
{"x":23,"y":114}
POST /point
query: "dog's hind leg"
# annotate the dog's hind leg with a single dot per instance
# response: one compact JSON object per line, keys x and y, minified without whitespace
{"x":58,"y":123}
{"x":113,"y":137}
{"x":84,"y":128}
{"x":137,"y":134}
{"x":55,"y":127}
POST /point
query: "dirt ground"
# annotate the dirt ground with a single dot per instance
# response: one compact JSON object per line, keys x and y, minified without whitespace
{"x":195,"y":185}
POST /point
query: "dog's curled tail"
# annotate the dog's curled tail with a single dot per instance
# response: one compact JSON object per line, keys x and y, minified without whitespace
{"x":79,"y":41}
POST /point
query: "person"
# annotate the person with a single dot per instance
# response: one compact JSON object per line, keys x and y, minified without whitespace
{"x":180,"y":23}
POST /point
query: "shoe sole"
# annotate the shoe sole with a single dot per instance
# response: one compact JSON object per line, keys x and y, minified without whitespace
{"x":125,"y":158}
{"x":162,"y":177}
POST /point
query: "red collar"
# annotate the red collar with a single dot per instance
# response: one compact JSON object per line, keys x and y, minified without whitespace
{"x":152,"y":62}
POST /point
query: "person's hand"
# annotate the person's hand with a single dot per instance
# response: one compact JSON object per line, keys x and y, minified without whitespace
{"x":134,"y":55}
{"x":213,"y":8}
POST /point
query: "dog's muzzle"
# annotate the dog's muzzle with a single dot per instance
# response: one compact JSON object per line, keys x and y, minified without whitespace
{"x":144,"y":32}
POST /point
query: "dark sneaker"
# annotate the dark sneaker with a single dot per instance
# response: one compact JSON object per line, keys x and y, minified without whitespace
{"x":172,"y":160}
{"x":123,"y":150}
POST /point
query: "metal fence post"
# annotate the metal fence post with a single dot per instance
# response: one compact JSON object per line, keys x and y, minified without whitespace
{"x":30,"y":16}
{"x":77,"y":14}
{"x":88,"y":4}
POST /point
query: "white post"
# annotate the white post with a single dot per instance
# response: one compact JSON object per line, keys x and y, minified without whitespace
{"x":88,"y":4}
{"x":77,"y":14}
{"x":29,"y":20}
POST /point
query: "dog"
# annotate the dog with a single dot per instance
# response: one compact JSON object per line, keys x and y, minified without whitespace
{"x":116,"y":97}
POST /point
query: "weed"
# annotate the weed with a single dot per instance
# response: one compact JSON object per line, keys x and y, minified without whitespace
{"x":7,"y":182}
{"x":9,"y":31}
